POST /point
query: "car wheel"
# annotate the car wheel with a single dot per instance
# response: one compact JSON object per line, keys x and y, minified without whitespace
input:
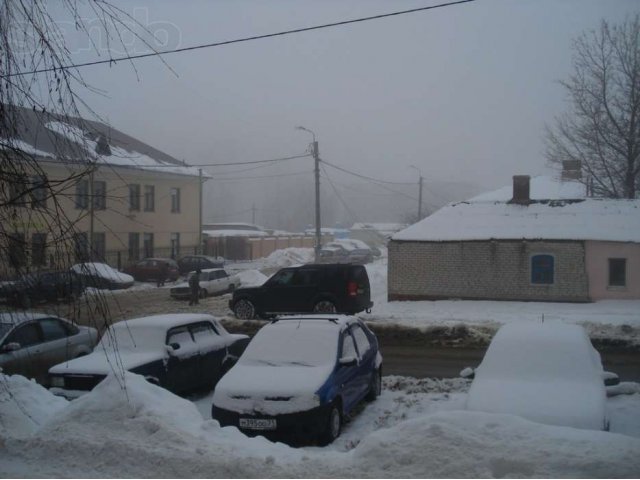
{"x":325,"y":306}
{"x":203,"y":293}
{"x":244,"y":309}
{"x":333,"y":427}
{"x":375,"y":386}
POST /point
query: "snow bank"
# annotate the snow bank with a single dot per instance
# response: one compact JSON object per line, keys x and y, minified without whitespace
{"x":25,"y":406}
{"x":471,"y":444}
{"x":289,"y":256}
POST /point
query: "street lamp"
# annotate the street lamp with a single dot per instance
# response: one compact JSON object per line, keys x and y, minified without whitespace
{"x":419,"y":192}
{"x":316,"y":158}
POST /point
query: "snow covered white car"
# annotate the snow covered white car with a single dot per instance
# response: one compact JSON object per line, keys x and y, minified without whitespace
{"x":548,"y":373}
{"x":213,"y":281}
{"x":300,"y":377}
{"x":179,"y":352}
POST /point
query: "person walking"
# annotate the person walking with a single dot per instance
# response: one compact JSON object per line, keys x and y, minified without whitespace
{"x":194,"y":284}
{"x":163,"y":273}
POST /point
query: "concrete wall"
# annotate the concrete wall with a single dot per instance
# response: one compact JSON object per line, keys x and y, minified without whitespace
{"x":487,"y":270}
{"x":598,"y":255}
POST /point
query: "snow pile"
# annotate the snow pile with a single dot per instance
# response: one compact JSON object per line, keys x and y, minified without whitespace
{"x":251,"y":278}
{"x":471,"y":444}
{"x":289,"y":256}
{"x":25,"y":406}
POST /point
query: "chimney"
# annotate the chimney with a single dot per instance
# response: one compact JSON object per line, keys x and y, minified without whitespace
{"x":521,"y":190}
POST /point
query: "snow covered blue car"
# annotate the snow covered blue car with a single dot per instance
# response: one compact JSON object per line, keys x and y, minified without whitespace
{"x":300,"y":377}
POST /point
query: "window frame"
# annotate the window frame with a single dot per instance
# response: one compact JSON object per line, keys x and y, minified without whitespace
{"x":610,"y":262}
{"x":175,"y":200}
{"x":99,"y":195}
{"x":537,"y":276}
{"x":149,"y":198}
{"x":134,"y":197}
{"x":82,"y":195}
{"x":38,"y":249}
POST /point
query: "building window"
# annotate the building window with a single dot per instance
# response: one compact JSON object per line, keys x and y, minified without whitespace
{"x":149,"y":198}
{"x":134,"y":246}
{"x":81,"y":245}
{"x":98,"y":246}
{"x":147,"y":244}
{"x":99,"y":195}
{"x":175,"y":245}
{"x":82,"y":194}
{"x":17,"y":250}
{"x":134,"y":197}
{"x":18,"y":190}
{"x":617,"y":272}
{"x":175,"y":200}
{"x":542,"y":269}
{"x":38,"y":192}
{"x":38,"y":249}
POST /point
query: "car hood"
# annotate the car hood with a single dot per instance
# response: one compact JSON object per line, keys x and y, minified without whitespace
{"x":270,"y":389}
{"x":102,"y":362}
{"x":568,"y":403}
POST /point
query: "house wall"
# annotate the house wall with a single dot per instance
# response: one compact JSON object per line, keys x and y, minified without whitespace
{"x":484,"y":270}
{"x":597,"y":261}
{"x":116,"y":221}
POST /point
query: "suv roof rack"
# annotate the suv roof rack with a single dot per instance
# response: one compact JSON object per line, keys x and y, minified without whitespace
{"x":290,"y":316}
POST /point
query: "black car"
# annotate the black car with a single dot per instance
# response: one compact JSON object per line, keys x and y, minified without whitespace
{"x":47,"y":286}
{"x":177,"y":351}
{"x":191,"y":263}
{"x":326,"y":288}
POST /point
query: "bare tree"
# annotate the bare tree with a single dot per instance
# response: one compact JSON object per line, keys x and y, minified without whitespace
{"x":601,"y":132}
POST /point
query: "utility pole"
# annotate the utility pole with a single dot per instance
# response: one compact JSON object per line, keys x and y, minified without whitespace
{"x":200,"y":249}
{"x":315,"y":151}
{"x":91,"y":218}
{"x":420,"y":200}
{"x":253,"y":214}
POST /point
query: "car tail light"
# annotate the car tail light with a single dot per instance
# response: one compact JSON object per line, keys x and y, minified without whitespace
{"x":352,"y":289}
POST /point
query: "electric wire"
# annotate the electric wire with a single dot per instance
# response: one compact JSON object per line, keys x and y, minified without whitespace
{"x":376,"y":180}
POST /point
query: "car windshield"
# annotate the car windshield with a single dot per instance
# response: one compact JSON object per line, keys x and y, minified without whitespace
{"x":296,"y":343}
{"x":4,"y":329}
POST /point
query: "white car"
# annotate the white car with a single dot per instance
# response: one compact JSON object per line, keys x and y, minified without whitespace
{"x":545,"y":372}
{"x":213,"y":281}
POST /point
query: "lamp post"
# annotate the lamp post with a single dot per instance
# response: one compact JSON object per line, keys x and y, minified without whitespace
{"x":316,"y":159}
{"x":419,"y":192}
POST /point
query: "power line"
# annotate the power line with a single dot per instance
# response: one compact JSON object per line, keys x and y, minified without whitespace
{"x":344,"y":204}
{"x":224,"y":179}
{"x":236,"y":163}
{"x":376,"y":180}
{"x":238,"y":40}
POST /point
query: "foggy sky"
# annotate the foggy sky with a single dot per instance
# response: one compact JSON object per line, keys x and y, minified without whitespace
{"x":462,"y":93}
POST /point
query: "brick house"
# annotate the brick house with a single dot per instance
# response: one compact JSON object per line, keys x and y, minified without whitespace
{"x":546,"y":242}
{"x":125,"y":199}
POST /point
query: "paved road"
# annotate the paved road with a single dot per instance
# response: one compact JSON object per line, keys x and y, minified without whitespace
{"x":419,"y":361}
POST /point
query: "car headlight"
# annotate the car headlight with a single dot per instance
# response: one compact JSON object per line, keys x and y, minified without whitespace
{"x":57,"y":382}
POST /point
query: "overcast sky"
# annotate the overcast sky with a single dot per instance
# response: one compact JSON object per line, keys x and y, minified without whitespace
{"x":461,"y":92}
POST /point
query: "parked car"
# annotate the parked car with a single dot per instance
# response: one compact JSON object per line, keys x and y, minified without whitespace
{"x":45,"y":286}
{"x":191,"y":263}
{"x":346,"y":251}
{"x":101,"y":275}
{"x":212,"y":281}
{"x":150,"y":269}
{"x":545,"y":372}
{"x":309,"y":288}
{"x":301,"y":377}
{"x":32,"y":342}
{"x":179,"y":352}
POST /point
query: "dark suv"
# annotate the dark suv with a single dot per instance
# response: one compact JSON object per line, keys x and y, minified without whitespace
{"x":339,"y":288}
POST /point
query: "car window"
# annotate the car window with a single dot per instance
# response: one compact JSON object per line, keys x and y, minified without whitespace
{"x":348,"y":347}
{"x":52,"y":329}
{"x":305,"y":277}
{"x":283,"y":277}
{"x":179,"y":335}
{"x":223,"y":274}
{"x":361,"y":340}
{"x":202,"y":331}
{"x":25,"y":335}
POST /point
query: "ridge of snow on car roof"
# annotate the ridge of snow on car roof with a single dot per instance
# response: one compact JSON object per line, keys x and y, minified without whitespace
{"x":319,"y":319}
{"x":166,"y":320}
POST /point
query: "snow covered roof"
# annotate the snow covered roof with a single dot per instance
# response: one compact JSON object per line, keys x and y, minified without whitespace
{"x":490,"y":216}
{"x":234,"y":233}
{"x":540,"y":188}
{"x":382,"y":228}
{"x":57,"y":138}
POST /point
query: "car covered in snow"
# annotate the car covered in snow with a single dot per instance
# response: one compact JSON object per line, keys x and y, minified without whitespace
{"x":31,"y":342}
{"x":213,"y":281}
{"x":301,"y":377}
{"x":545,"y":372}
{"x":180,"y":352}
{"x":101,"y":275}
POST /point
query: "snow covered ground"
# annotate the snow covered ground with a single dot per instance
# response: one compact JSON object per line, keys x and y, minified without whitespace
{"x":416,"y":428}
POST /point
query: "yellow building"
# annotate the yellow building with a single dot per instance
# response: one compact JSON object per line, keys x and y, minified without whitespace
{"x":101,"y":194}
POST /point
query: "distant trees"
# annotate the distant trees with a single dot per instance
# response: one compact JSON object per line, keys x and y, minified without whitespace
{"x":601,"y":131}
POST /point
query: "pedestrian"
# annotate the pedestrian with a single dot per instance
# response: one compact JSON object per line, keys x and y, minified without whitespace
{"x":194,"y":284}
{"x":163,"y":272}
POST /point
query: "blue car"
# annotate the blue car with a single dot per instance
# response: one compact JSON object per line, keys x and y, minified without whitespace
{"x":300,"y":377}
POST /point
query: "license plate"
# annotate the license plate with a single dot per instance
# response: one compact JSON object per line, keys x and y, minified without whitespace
{"x":258,"y":423}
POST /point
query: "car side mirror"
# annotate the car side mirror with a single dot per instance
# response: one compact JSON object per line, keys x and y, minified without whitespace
{"x":172,"y":347}
{"x":468,"y":373}
{"x":610,"y":379}
{"x":11,"y":347}
{"x":348,"y":361}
